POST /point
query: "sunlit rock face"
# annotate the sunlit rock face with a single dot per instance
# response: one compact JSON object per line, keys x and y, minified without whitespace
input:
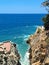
{"x":39,"y":47}
{"x":9,"y":54}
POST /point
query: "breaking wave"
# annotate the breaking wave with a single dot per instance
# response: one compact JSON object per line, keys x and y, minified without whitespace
{"x":25,"y":60}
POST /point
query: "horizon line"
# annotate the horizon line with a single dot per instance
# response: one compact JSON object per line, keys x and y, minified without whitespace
{"x":23,"y":13}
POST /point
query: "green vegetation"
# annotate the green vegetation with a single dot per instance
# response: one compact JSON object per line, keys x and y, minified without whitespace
{"x":46,"y":22}
{"x":46,"y":18}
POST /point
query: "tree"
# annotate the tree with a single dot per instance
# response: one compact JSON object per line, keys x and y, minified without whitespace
{"x":46,"y":18}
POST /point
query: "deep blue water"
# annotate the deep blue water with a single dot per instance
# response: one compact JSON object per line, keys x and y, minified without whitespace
{"x":17,"y":28}
{"x":13,"y":20}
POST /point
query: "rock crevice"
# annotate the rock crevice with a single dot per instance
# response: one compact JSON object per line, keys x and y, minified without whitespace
{"x":9,"y":54}
{"x":39,"y":47}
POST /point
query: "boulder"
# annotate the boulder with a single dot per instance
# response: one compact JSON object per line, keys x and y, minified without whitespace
{"x":9,"y":54}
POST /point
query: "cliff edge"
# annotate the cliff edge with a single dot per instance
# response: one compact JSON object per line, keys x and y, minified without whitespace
{"x":9,"y":54}
{"x":39,"y":47}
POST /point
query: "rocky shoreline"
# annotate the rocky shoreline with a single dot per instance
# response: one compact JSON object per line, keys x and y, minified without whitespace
{"x":9,"y":54}
{"x":38,"y":52}
{"x":39,"y":47}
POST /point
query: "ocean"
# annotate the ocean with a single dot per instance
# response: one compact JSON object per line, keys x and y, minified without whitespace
{"x":17,"y":28}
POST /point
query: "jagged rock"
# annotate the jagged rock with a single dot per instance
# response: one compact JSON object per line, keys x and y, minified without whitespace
{"x":47,"y":61}
{"x":37,"y":63}
{"x":39,"y":48}
{"x":9,"y":54}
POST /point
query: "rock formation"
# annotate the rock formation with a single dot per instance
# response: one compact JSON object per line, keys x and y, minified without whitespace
{"x":9,"y":54}
{"x":39,"y":47}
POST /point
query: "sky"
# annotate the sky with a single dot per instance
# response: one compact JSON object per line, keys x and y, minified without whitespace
{"x":21,"y":6}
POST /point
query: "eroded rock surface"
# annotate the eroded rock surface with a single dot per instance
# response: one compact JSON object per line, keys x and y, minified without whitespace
{"x":39,"y":47}
{"x":9,"y":54}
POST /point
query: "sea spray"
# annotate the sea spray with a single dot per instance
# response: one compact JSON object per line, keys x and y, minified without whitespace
{"x":25,"y":60}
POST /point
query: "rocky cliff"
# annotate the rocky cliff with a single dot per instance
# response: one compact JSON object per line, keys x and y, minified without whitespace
{"x":9,"y":54}
{"x":39,"y":47}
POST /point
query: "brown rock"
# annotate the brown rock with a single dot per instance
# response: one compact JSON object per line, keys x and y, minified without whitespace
{"x":9,"y":54}
{"x":37,"y":63}
{"x":47,"y":61}
{"x":39,"y":49}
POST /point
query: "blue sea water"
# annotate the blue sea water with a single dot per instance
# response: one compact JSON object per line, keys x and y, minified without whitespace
{"x":17,"y":28}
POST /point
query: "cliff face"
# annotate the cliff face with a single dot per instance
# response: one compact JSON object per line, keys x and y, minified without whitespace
{"x":39,"y":47}
{"x":8,"y":54}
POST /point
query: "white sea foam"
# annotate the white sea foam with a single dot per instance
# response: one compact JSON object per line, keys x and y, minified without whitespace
{"x":26,"y":37}
{"x":31,"y":26}
{"x":22,"y":36}
{"x":25,"y":60}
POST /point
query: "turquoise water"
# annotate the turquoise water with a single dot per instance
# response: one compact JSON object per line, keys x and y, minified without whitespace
{"x":17,"y":28}
{"x":19,"y":35}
